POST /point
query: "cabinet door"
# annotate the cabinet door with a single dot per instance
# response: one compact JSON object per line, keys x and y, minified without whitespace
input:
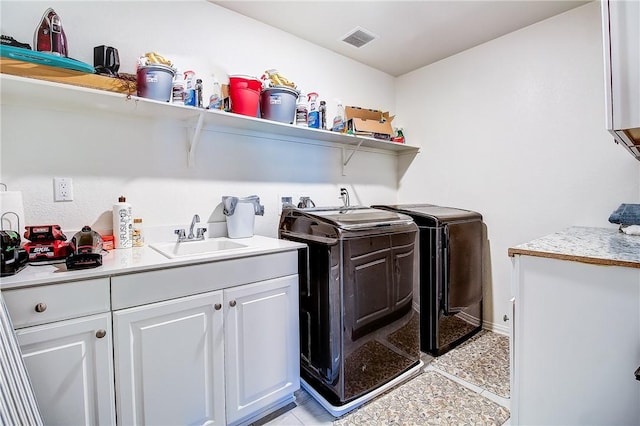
{"x":262,"y":352}
{"x":70,"y":364}
{"x":169,"y":362}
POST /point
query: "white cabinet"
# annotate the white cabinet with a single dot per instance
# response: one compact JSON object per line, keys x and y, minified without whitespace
{"x":170,"y":362}
{"x":213,"y":343}
{"x":576,"y":343}
{"x":262,"y":351}
{"x":621,"y":35}
{"x":64,"y":332}
{"x":70,"y":364}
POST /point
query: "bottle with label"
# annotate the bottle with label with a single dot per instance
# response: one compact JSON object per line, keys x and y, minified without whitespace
{"x":314,"y":113}
{"x":177,"y":92}
{"x":137,"y":237}
{"x":338,"y":121}
{"x":215,"y":100}
{"x":190,"y":88}
{"x":122,"y":224}
{"x":302,"y":111}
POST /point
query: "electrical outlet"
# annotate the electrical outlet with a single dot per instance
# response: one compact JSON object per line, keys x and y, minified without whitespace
{"x":62,"y":189}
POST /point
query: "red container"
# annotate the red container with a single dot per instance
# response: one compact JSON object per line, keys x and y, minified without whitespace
{"x":244,"y":92}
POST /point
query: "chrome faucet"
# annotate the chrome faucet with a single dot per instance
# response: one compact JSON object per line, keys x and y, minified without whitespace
{"x":344,"y":194}
{"x":196,"y":219}
{"x":191,"y":237}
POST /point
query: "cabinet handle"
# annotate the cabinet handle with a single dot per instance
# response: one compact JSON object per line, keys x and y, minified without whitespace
{"x":101,"y":333}
{"x":217,"y":306}
{"x":232,"y":303}
{"x":41,"y":307}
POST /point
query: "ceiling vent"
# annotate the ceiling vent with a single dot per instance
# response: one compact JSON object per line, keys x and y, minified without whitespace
{"x":358,"y":37}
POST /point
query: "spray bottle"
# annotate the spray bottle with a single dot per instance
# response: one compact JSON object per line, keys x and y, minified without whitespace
{"x":338,"y":121}
{"x":314,"y":113}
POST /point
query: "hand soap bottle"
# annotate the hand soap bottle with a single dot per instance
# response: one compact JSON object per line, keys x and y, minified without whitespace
{"x":122,"y":224}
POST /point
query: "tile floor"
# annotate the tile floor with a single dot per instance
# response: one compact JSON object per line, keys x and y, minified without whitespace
{"x":476,"y":392}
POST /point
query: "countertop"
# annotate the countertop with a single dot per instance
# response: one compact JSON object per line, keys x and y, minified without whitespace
{"x":600,"y":246}
{"x":138,"y":259}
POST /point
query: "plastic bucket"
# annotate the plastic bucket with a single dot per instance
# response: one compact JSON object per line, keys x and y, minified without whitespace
{"x":155,"y":82}
{"x":244,"y":92}
{"x":278,"y":103}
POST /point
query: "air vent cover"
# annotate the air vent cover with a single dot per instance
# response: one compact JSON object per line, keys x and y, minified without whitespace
{"x":358,"y":37}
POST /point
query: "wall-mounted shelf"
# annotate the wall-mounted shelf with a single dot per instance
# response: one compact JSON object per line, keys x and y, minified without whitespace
{"x":31,"y":92}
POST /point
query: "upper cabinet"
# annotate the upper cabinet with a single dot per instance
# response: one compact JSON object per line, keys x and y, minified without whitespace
{"x":621,"y":33}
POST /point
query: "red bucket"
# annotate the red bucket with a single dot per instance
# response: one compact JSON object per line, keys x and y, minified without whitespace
{"x":244,"y":92}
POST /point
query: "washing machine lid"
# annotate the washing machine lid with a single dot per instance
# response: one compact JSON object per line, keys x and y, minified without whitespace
{"x":352,"y":218}
{"x":439,"y":213}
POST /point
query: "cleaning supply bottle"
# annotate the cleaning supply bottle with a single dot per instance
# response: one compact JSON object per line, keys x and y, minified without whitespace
{"x":215,"y":100}
{"x":338,"y":121}
{"x":122,"y":224}
{"x":302,"y":111}
{"x":314,"y":113}
{"x":190,"y":88}
{"x":177,"y":92}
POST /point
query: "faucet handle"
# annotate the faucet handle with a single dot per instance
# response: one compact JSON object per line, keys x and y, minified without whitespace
{"x":180,"y":233}
{"x":200,"y":233}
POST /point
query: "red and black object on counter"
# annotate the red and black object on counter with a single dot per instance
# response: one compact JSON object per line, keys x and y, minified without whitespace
{"x":46,"y":243}
{"x":86,"y":250}
{"x":13,"y":258}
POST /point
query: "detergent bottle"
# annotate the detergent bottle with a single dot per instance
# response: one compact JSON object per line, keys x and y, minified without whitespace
{"x":314,"y":112}
{"x":338,"y":121}
{"x":190,"y":88}
{"x":302,"y":111}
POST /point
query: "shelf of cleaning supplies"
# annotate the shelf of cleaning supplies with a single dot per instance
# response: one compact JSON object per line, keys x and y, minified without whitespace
{"x":42,"y":94}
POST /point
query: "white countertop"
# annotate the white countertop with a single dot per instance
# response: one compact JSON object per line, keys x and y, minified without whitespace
{"x":137,"y":259}
{"x":602,"y":246}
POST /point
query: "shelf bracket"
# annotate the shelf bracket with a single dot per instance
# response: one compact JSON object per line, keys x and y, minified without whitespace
{"x":345,"y":162}
{"x":195,"y":139}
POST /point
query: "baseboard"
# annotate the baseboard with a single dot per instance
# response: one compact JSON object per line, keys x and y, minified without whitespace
{"x":497,"y":328}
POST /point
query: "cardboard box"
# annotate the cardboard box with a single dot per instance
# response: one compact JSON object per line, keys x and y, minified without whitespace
{"x":369,"y":122}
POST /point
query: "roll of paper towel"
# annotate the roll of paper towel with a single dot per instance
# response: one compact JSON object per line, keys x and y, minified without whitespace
{"x":12,"y":211}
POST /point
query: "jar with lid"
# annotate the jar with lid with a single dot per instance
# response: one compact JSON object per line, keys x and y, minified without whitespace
{"x":137,"y":237}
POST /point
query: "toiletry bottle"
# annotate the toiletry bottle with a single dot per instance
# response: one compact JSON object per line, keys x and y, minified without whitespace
{"x":302,"y":110}
{"x":137,"y":236}
{"x":314,"y":114}
{"x":338,"y":121}
{"x":122,"y":224}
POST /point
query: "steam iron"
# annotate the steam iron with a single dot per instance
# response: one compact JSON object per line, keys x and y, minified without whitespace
{"x":49,"y":36}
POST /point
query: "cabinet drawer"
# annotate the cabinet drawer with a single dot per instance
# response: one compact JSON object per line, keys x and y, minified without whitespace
{"x":47,"y":303}
{"x":155,"y":286}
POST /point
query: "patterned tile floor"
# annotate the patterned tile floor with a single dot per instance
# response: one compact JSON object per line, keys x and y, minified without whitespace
{"x":467,"y":385}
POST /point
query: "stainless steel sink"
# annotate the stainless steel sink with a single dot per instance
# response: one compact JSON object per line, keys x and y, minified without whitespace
{"x":196,"y":248}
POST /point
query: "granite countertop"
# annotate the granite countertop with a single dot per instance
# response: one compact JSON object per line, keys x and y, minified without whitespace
{"x":600,"y":246}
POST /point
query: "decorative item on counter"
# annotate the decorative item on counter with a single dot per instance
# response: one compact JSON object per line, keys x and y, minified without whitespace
{"x":86,"y":249}
{"x":399,"y":138}
{"x":302,"y":111}
{"x":137,"y":237}
{"x":122,"y":224}
{"x":339,"y":120}
{"x":49,"y":36}
{"x":245,"y":94}
{"x":323,"y":115}
{"x":276,"y":79}
{"x":313,"y":119}
{"x":47,"y":243}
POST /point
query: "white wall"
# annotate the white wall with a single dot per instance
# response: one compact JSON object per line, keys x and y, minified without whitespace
{"x":514,"y":129}
{"x":147,"y":161}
